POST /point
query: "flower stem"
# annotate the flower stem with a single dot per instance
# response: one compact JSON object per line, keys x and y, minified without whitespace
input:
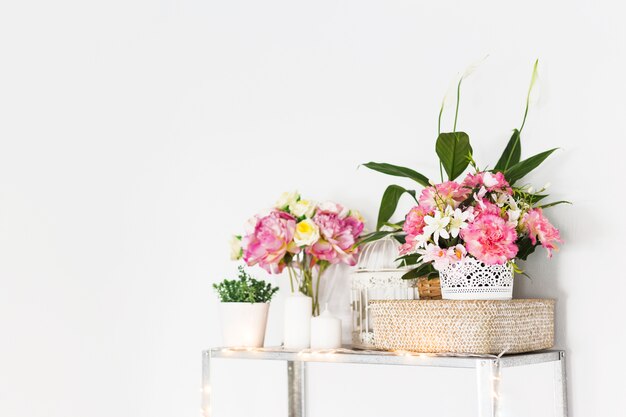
{"x":533,"y":78}
{"x":316,"y":307}
{"x":291,"y":272}
{"x":458,"y":100}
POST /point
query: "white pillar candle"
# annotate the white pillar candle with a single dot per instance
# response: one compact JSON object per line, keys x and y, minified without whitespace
{"x":297,"y":320}
{"x":325,"y":331}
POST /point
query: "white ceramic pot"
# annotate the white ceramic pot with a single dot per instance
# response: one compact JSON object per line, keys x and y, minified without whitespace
{"x":243,"y":324}
{"x":471,"y":279}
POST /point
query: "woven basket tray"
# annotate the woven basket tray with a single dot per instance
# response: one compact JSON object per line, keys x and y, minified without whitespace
{"x":429,"y":289}
{"x":474,"y":326}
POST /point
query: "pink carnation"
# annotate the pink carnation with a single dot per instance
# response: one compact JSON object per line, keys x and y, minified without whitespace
{"x":409,"y":245}
{"x":447,"y":193}
{"x":270,"y":241}
{"x":413,"y":226}
{"x":473,"y":180}
{"x":539,"y":228}
{"x":337,"y":237}
{"x":497,"y":182}
{"x":414,"y":221}
{"x":484,"y":206}
{"x":490,"y":239}
{"x":491,"y":182}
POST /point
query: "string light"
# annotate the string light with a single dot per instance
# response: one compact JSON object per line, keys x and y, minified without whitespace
{"x":307,"y":354}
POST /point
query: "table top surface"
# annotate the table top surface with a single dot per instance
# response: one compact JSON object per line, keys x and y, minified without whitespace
{"x":349,"y":355}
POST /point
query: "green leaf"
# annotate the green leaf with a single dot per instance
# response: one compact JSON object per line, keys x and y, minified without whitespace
{"x":556,"y":203}
{"x":412,"y":274}
{"x":400,"y":238}
{"x":519,"y":170}
{"x":398,"y":171}
{"x":424,"y":270}
{"x":525,"y":248}
{"x":411,"y":259}
{"x":535,"y":198}
{"x":389,"y":203}
{"x":453,"y":150}
{"x":374,"y":236}
{"x":512,"y":153}
{"x":395,"y":226}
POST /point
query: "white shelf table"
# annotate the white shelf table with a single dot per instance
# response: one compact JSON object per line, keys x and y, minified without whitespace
{"x":487,"y":368}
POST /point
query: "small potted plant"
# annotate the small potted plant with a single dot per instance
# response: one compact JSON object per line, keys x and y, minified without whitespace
{"x":243,"y":309}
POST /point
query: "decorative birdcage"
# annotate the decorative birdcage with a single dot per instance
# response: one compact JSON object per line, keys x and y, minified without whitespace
{"x":377,"y":276}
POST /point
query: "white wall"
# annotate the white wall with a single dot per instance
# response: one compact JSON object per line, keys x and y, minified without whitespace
{"x":136,"y":136}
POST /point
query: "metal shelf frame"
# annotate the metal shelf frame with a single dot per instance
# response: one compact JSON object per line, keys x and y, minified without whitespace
{"x":487,"y":368}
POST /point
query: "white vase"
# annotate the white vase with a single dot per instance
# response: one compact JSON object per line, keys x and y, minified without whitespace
{"x":297,"y":321}
{"x":243,"y":324}
{"x":471,"y":279}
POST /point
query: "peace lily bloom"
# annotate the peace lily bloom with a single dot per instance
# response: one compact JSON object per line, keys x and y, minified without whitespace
{"x":436,"y":226}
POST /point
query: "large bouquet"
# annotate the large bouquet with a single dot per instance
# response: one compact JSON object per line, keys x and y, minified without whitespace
{"x":485,"y":216}
{"x":303,"y":236}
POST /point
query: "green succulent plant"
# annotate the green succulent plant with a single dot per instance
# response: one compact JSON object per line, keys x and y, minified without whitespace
{"x":246,"y":289}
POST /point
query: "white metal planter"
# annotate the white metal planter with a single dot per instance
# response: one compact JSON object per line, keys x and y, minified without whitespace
{"x":471,"y":279}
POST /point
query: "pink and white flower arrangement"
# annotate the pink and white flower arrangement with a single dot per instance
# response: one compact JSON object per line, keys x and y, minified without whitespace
{"x":485,"y":216}
{"x":482,"y":217}
{"x":302,"y":236}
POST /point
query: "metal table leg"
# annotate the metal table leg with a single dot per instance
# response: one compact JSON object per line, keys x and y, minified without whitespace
{"x":488,"y":381}
{"x":560,"y":387}
{"x":206,"y":384}
{"x":296,"y":379}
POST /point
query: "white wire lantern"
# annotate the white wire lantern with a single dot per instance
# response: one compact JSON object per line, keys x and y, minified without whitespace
{"x":377,"y":276}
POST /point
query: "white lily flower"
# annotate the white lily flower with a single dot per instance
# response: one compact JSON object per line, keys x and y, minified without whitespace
{"x":514,"y":216}
{"x":458,"y":221}
{"x":500,"y":199}
{"x":421,"y":240}
{"x":436,"y":226}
